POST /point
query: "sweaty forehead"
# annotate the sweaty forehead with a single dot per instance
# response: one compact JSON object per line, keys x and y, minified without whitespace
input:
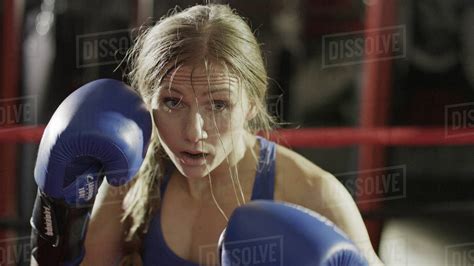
{"x":186,"y":76}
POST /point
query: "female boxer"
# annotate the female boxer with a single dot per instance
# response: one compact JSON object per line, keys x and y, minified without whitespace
{"x":201,"y":73}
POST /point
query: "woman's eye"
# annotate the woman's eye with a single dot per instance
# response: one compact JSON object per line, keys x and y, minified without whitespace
{"x":172,"y":103}
{"x":219,"y":105}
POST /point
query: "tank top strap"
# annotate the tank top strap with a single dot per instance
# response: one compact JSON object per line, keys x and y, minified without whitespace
{"x":265,"y":177}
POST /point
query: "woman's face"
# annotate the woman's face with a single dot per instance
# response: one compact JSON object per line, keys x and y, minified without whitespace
{"x":200,"y":118}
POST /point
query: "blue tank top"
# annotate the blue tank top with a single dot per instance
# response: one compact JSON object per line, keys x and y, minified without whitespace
{"x":155,"y":249}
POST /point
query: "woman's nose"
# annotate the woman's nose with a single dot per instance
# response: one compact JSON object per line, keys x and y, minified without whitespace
{"x":194,"y":130}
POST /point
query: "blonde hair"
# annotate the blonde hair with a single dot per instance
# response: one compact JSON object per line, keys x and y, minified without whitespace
{"x":206,"y":33}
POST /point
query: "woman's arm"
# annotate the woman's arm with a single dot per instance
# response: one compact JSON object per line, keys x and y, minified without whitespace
{"x":335,"y":202}
{"x":104,"y":237}
{"x":307,"y":185}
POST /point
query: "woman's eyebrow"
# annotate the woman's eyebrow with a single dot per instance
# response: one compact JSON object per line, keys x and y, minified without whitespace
{"x":204,"y":93}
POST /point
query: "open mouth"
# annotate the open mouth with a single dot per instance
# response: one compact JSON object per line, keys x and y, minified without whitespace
{"x":192,"y":155}
{"x":193,"y":158}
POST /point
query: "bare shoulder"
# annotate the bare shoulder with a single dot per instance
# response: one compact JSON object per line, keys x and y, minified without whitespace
{"x":302,"y":182}
{"x":298,"y":179}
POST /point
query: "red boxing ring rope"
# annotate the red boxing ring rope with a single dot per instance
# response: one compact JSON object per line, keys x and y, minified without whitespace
{"x":387,"y":136}
{"x":318,"y":137}
{"x":21,"y":134}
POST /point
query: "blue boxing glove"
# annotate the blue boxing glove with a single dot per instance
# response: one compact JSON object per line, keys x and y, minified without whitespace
{"x":101,"y":129}
{"x":264,"y":232}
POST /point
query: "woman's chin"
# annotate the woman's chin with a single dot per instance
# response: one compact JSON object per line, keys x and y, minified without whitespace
{"x":194,"y":172}
{"x":197,"y":169}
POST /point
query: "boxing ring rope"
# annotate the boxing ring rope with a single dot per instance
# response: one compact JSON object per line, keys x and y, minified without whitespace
{"x":385,"y":136}
{"x":315,"y":137}
{"x":21,"y":134}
